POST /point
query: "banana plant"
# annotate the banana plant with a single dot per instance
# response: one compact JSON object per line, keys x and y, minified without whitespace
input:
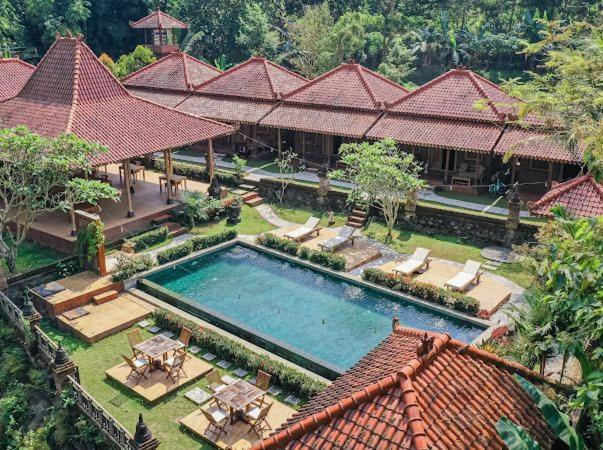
{"x":516,"y":438}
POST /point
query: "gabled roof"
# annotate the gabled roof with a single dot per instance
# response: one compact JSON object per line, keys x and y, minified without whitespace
{"x":416,"y":391}
{"x":581,"y":197}
{"x":158,"y":19}
{"x":71,"y":91}
{"x":161,"y":97}
{"x":532,"y":143}
{"x":257,"y":78}
{"x":350,"y":86}
{"x":177,"y":71}
{"x":454,"y":95}
{"x":14,"y":73}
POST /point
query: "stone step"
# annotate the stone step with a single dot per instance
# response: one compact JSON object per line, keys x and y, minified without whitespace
{"x":250,"y":196}
{"x":105,"y":297}
{"x":249,"y":187}
{"x":175,"y":229}
{"x":354,"y":224}
{"x":358,"y":213}
{"x":256,"y":201}
{"x":163,"y":218}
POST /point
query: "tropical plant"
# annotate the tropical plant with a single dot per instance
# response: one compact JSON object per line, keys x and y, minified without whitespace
{"x":239,"y":167}
{"x":200,"y":207}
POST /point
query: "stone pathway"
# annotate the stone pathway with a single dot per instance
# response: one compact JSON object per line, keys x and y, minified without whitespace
{"x":270,"y":216}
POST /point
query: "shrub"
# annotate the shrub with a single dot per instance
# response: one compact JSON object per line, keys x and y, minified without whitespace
{"x":277,"y":243}
{"x":428,"y":292}
{"x":326,"y":259}
{"x":129,"y":265}
{"x":196,"y":172}
{"x":283,"y":375}
{"x":148,"y":239}
{"x":174,"y":253}
{"x":201,"y":242}
{"x":200,"y":207}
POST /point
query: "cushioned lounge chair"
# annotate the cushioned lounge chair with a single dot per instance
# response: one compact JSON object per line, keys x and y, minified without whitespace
{"x":417,"y":261}
{"x":346,"y":235}
{"x":470,"y":274}
{"x":302,"y":232}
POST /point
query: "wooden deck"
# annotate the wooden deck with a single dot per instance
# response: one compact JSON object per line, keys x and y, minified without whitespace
{"x":240,"y":436}
{"x":158,"y":385}
{"x":53,"y":229}
{"x":490,"y":293}
{"x":108,"y":318}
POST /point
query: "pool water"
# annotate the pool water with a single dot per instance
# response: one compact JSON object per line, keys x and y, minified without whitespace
{"x":328,"y":318}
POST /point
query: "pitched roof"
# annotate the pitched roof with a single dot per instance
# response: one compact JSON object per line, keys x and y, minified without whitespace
{"x":454,"y":95}
{"x":161,"y":97}
{"x":581,"y":197}
{"x":13,"y":75}
{"x":158,"y":19}
{"x":72,"y":91}
{"x":393,"y":399}
{"x":226,"y":109}
{"x":257,"y":78}
{"x":349,"y":85}
{"x":176,"y":71}
{"x":534,"y":144}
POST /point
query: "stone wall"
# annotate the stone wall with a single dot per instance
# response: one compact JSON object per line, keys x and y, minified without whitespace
{"x":301,"y":195}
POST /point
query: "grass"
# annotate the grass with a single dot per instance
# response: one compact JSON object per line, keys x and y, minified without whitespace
{"x":300,"y":215}
{"x":32,"y":255}
{"x":251,"y":222}
{"x":121,"y":403}
{"x":445,"y":247}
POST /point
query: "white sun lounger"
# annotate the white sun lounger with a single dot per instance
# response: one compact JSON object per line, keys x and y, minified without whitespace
{"x":346,"y":234}
{"x":418,"y":260}
{"x":310,"y":227}
{"x":470,"y":274}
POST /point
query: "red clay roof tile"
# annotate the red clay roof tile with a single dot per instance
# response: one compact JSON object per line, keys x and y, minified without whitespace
{"x":226,"y":109}
{"x":581,"y":197}
{"x":72,"y":91}
{"x":158,"y":19}
{"x":161,"y":97}
{"x":14,"y":73}
{"x":534,"y":144}
{"x":386,"y":401}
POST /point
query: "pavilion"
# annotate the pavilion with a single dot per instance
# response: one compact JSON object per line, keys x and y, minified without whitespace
{"x":169,"y":80}
{"x":243,"y":95}
{"x":14,"y":73}
{"x":417,"y":391}
{"x":159,"y":31}
{"x":581,"y":197}
{"x":71,"y":91}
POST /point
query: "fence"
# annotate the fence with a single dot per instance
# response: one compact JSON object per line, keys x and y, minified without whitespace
{"x":63,"y":369}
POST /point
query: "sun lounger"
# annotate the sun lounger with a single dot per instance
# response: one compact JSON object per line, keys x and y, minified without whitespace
{"x":346,"y":235}
{"x":309,"y":228}
{"x":470,"y":274}
{"x":417,"y":261}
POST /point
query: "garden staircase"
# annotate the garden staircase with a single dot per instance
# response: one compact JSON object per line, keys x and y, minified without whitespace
{"x":166,"y":220}
{"x":253,"y":199}
{"x":357,"y":217}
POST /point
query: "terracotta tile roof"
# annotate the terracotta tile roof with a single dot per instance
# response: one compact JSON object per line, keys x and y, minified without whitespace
{"x":450,"y":398}
{"x":13,"y":75}
{"x":177,"y":71}
{"x":340,"y":122}
{"x":533,"y":144}
{"x":72,"y":91}
{"x":226,"y":109}
{"x":257,"y":78}
{"x":158,"y":19}
{"x":454,"y":95}
{"x":350,"y":86}
{"x":581,"y":196}
{"x":437,"y":133}
{"x":165,"y":98}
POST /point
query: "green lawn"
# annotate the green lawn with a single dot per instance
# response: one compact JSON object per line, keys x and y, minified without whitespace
{"x":445,"y":247}
{"x":251,"y":223}
{"x":32,"y":255}
{"x":300,"y":215}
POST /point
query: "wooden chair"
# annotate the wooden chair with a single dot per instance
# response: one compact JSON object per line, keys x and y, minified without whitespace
{"x":174,"y":366}
{"x":262,"y":381}
{"x":215,"y":381}
{"x":217,"y":418}
{"x":257,"y":418}
{"x":137,"y":366}
{"x":135,"y":338}
{"x":183,"y":341}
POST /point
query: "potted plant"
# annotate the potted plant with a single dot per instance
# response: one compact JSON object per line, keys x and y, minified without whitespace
{"x":234,"y":210}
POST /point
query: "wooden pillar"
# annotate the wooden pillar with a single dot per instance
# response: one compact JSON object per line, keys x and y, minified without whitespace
{"x":446,"y":166}
{"x":167,"y":156}
{"x":102,"y":262}
{"x":211,"y":161}
{"x":303,"y":146}
{"x":550,"y":175}
{"x":280,"y":142}
{"x":477,"y":161}
{"x":127,"y":180}
{"x":513,"y":169}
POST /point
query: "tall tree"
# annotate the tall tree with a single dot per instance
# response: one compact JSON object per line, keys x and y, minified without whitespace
{"x":257,"y":36}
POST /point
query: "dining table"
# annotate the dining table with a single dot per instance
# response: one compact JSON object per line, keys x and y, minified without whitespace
{"x":156,"y":350}
{"x":238,"y":396}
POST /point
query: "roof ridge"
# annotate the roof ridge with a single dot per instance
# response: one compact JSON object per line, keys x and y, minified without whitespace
{"x":76,"y":85}
{"x":566,"y":186}
{"x":185,"y":66}
{"x":276,"y":95}
{"x":364,"y":81}
{"x":148,"y":66}
{"x":481,"y":90}
{"x":17,"y":60}
{"x":158,"y":12}
{"x":284,"y":69}
{"x":413,"y":413}
{"x":314,"y":81}
{"x":422,"y":88}
{"x":222,"y":74}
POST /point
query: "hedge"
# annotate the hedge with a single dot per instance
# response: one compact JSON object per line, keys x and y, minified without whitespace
{"x":148,"y":239}
{"x":196,"y":172}
{"x":129,"y":265}
{"x":452,"y":299}
{"x":193,"y":245}
{"x":326,"y":259}
{"x":283,"y":375}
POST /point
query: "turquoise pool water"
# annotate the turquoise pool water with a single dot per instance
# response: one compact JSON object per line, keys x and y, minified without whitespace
{"x":328,"y":318}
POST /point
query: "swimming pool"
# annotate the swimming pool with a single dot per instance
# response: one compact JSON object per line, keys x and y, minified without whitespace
{"x":317,"y":314}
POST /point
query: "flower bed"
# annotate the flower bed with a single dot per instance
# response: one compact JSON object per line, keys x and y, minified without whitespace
{"x":283,"y":375}
{"x":325,"y":259}
{"x":193,"y":245}
{"x":454,"y":300}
